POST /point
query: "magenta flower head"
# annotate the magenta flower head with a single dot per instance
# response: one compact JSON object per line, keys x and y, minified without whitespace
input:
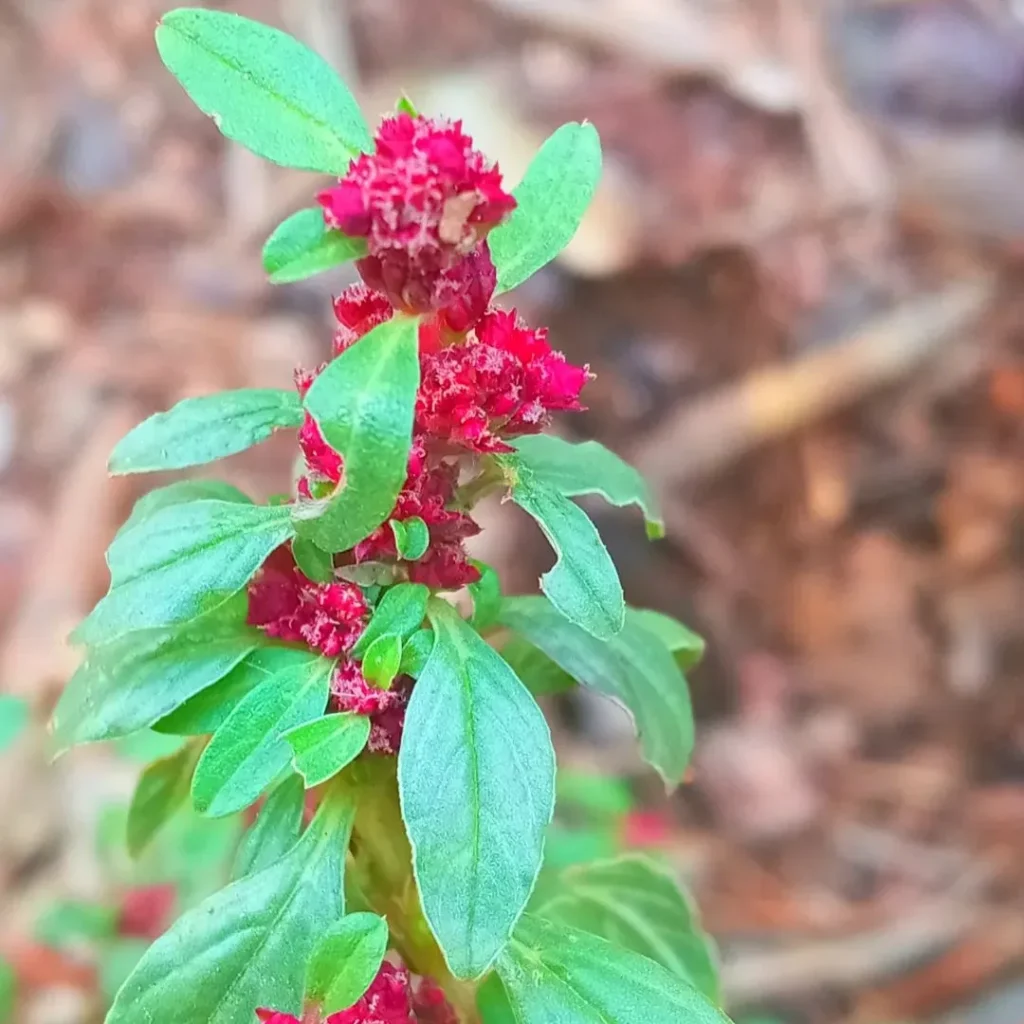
{"x":423,"y":200}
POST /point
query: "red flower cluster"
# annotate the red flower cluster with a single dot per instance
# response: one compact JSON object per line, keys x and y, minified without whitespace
{"x":285,"y":603}
{"x":352,"y":692}
{"x":423,"y":200}
{"x":392,"y":998}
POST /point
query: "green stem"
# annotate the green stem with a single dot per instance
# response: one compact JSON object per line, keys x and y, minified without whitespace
{"x":381,"y":866}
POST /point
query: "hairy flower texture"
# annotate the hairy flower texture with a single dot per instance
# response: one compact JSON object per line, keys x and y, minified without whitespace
{"x":351,"y":691}
{"x":423,"y":200}
{"x":505,"y":381}
{"x":388,"y":1000}
{"x":286,"y":604}
{"x":430,"y":1005}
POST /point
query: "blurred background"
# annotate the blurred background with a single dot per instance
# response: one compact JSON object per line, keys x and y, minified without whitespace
{"x":800,"y":291}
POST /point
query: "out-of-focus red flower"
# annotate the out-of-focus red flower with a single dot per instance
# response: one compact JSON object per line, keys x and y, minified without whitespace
{"x":286,"y":604}
{"x":146,"y":911}
{"x":645,"y":829}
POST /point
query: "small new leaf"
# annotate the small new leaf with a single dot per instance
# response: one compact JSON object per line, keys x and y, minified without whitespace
{"x":553,"y":973}
{"x":345,"y":961}
{"x":412,"y":537}
{"x":264,"y":89}
{"x":583,"y":583}
{"x":200,"y":430}
{"x":318,"y":565}
{"x":160,"y":792}
{"x":589,"y":468}
{"x":382,"y":660}
{"x":550,"y":202}
{"x":303,"y":246}
{"x":415,"y":653}
{"x":324,"y":746}
{"x":400,"y":613}
{"x":249,"y":750}
{"x":247,"y":945}
{"x":182,"y":561}
{"x":476,"y":778}
{"x":363,"y":402}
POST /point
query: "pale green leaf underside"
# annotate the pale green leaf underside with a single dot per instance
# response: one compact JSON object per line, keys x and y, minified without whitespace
{"x":589,"y":468}
{"x":275,"y":831}
{"x":322,"y":747}
{"x":634,"y":668}
{"x":558,"y":975}
{"x":264,"y":89}
{"x":200,"y":430}
{"x":636,"y":904}
{"x":476,"y":777}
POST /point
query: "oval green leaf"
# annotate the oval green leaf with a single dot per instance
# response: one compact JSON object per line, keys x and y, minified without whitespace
{"x":303,"y":245}
{"x":476,"y":777}
{"x":550,"y":202}
{"x":182,"y":561}
{"x":200,"y":430}
{"x":275,"y":830}
{"x":249,"y":750}
{"x":636,"y":904}
{"x":554,"y":974}
{"x":634,"y":668}
{"x":247,"y":945}
{"x":400,"y":612}
{"x":161,"y":791}
{"x":264,"y":89}
{"x":324,"y":746}
{"x":412,"y":537}
{"x":363,"y":402}
{"x":686,"y":645}
{"x":589,"y":468}
{"x":583,"y":583}
{"x":137,"y":680}
{"x":382,"y":660}
{"x":346,"y":960}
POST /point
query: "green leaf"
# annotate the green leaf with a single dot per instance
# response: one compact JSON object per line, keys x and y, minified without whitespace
{"x":207,"y":711}
{"x":70,"y":922}
{"x":551,"y":200}
{"x":275,"y":830}
{"x":181,"y":562}
{"x":264,"y":89}
{"x":318,"y":565}
{"x":412,"y":537}
{"x":13,"y":719}
{"x":583,"y":584}
{"x":686,"y":645}
{"x":363,"y":402}
{"x":247,"y":945}
{"x":177,"y":494}
{"x":400,"y":613}
{"x":601,"y":796}
{"x":486,"y":594}
{"x":634,"y":668}
{"x":568,"y":846}
{"x":249,"y":750}
{"x":636,"y":904}
{"x":589,"y":468}
{"x":538,"y":672}
{"x":137,"y":680}
{"x":324,"y":746}
{"x":8,"y":991}
{"x":199,"y":430}
{"x":118,"y":958}
{"x":404,"y":105}
{"x":492,"y":1002}
{"x":382,"y":660}
{"x":554,"y":975}
{"x":303,"y":245}
{"x":346,"y":960}
{"x":416,"y":652}
{"x":476,"y":777}
{"x":160,"y":792}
